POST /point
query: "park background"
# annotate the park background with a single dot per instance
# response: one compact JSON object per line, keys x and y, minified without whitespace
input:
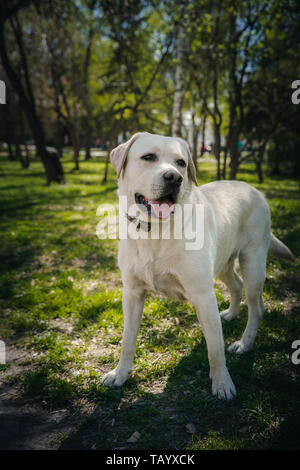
{"x":82,"y":76}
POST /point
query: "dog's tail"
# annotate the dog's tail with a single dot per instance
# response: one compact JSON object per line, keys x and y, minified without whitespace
{"x":279,"y":249}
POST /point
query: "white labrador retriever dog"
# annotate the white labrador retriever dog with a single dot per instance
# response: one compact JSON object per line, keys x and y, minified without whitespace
{"x":158,"y":174}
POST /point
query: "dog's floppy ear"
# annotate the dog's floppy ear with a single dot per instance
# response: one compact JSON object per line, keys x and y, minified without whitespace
{"x":119,"y":154}
{"x":191,"y":167}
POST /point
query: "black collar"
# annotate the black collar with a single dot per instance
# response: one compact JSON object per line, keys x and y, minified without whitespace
{"x":140,"y":224}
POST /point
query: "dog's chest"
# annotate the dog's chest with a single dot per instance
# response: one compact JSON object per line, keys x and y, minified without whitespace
{"x":159,"y":276}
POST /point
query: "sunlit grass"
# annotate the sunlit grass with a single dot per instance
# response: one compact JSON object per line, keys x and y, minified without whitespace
{"x":61,"y":302}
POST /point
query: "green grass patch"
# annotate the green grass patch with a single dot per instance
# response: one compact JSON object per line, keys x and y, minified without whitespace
{"x":60,"y":291}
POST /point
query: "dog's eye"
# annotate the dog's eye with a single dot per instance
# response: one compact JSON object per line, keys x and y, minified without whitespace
{"x":181,"y":162}
{"x":150,"y":157}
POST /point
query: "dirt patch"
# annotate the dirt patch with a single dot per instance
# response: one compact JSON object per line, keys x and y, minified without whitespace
{"x":27,"y":425}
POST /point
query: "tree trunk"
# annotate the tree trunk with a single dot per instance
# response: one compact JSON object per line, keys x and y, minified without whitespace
{"x":259,"y":171}
{"x":179,"y":83}
{"x":233,"y":169}
{"x":86,"y":94}
{"x":51,"y":162}
{"x":195,"y":140}
{"x":10,"y":151}
{"x":59,"y":141}
{"x":24,"y":161}
{"x":110,"y":147}
{"x":233,"y":161}
{"x":113,"y":140}
{"x":18,"y":153}
{"x":232,"y":133}
{"x":75,"y":145}
{"x":203,"y":131}
{"x":225,"y":163}
{"x":217,"y":148}
{"x":27,"y":158}
{"x":259,"y":161}
{"x":234,"y":153}
{"x":53,"y":167}
{"x":88,"y":155}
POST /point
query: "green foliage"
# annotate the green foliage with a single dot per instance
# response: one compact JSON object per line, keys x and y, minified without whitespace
{"x":99,"y":71}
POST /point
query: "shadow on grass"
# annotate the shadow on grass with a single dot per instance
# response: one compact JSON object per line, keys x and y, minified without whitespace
{"x":266,"y":405}
{"x":278,"y":193}
{"x":161,"y":418}
{"x":264,"y":415}
{"x":283,"y":284}
{"x":20,"y":209}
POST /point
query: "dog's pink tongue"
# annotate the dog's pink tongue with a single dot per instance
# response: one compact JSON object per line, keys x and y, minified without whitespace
{"x":163,"y":210}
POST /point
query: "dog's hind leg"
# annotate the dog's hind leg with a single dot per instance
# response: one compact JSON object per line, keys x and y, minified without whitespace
{"x":234,"y":284}
{"x":253,"y":267}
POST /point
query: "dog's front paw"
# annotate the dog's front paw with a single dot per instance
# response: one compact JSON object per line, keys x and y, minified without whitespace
{"x":115,"y":378}
{"x":227,"y":314}
{"x":239,"y":347}
{"x":223,"y":387}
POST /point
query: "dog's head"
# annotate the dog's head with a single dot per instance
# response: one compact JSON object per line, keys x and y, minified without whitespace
{"x":154,"y":171}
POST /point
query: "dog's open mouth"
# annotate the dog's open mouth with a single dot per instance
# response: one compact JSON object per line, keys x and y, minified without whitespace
{"x":162,"y":207}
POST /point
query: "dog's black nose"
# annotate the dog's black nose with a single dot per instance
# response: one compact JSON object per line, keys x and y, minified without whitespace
{"x":172,"y":177}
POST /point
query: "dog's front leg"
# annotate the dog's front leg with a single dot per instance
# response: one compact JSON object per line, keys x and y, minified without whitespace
{"x":209,"y":317}
{"x":133,"y":304}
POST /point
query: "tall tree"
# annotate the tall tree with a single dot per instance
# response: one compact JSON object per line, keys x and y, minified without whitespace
{"x":9,"y":13}
{"x":58,"y":26}
{"x":91,"y":26}
{"x":180,"y":69}
{"x":135,"y":65}
{"x":207,"y":62}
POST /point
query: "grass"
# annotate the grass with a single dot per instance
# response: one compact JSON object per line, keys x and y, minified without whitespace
{"x":61,"y":306}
